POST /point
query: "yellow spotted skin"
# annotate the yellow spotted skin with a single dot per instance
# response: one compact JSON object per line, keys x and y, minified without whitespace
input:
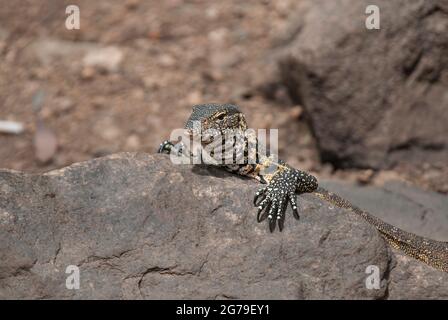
{"x":283,"y":183}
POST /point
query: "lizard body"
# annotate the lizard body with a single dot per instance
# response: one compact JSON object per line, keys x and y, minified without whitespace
{"x":283,"y":182}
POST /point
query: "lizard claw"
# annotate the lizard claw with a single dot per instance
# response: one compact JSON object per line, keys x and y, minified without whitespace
{"x":272,"y":201}
{"x":259,"y":196}
{"x":165,"y":147}
{"x":263,"y":210}
{"x":293,"y":202}
{"x":168,"y":147}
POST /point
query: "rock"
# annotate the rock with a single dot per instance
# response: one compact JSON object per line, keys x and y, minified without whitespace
{"x":218,"y":37}
{"x":107,"y":129}
{"x":4,"y":34}
{"x":138,"y":226}
{"x":195,"y":97}
{"x":132,"y":142}
{"x":212,"y":13}
{"x":45,"y":143}
{"x":84,"y":56}
{"x":374,"y":97}
{"x":405,"y":206}
{"x":132,"y":4}
{"x":64,"y":104}
{"x":224,"y":59}
{"x":150,"y":82}
{"x":105,"y":59}
{"x":88,"y":73}
{"x":166,"y":60}
{"x":49,"y":50}
{"x":11,"y":127}
{"x":296,"y":112}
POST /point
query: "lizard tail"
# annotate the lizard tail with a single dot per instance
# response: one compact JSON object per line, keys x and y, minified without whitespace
{"x":431,"y":252}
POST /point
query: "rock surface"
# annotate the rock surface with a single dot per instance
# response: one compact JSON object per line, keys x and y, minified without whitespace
{"x":407,"y":207}
{"x":374,"y":97}
{"x":139,"y":227}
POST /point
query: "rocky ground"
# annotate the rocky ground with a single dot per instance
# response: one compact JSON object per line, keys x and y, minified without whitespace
{"x":138,"y":226}
{"x":364,"y":106}
{"x":164,"y":56}
{"x":133,"y":70}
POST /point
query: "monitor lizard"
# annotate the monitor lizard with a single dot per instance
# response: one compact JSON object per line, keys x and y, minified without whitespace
{"x":284,"y":182}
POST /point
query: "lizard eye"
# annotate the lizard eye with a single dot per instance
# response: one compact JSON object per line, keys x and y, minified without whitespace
{"x":220,"y":116}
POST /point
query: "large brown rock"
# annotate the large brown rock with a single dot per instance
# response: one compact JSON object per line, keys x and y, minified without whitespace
{"x":374,"y":97}
{"x":138,"y":226}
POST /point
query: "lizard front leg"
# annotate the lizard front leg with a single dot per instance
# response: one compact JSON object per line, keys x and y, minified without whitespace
{"x":169,"y":147}
{"x":272,"y":200}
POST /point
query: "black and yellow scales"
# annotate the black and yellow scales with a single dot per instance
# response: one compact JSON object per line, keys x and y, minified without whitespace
{"x":283,"y":182}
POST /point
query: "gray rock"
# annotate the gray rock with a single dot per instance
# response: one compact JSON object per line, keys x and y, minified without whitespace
{"x":139,"y":227}
{"x":409,"y":208}
{"x":374,"y":97}
{"x":400,"y":204}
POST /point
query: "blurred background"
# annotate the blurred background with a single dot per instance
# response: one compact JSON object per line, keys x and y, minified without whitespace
{"x":133,"y":70}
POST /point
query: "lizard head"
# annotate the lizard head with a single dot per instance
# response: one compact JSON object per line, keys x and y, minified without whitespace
{"x":213,"y":116}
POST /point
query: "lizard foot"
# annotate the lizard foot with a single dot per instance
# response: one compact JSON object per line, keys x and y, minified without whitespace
{"x":273,"y":200}
{"x":169,"y":147}
{"x":165,"y":147}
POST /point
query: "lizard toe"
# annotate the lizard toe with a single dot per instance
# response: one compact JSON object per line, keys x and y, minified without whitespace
{"x":263,"y":210}
{"x":259,"y":196}
{"x":293,"y":202}
{"x":165,"y":147}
